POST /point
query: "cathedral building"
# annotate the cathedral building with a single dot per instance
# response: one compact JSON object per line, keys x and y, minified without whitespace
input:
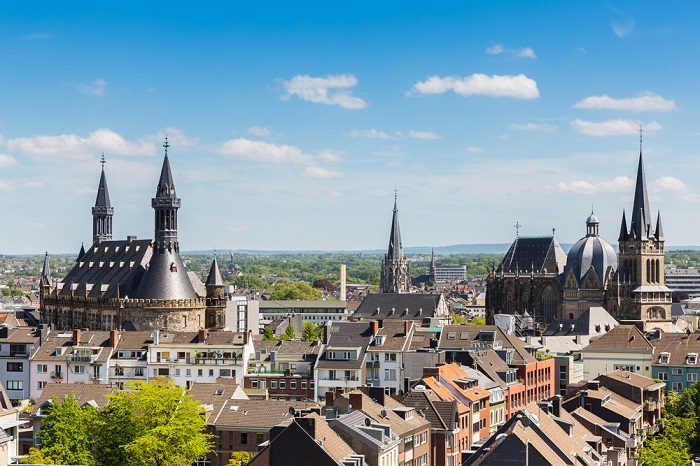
{"x":396,"y":273}
{"x":537,"y":281}
{"x":134,"y":284}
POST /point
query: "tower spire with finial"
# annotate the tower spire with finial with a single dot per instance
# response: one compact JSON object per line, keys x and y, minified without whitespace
{"x":103,"y":211}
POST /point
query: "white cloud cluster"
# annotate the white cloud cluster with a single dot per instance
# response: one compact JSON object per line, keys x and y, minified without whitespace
{"x":623,"y":28}
{"x":518,"y":87}
{"x":646,"y":102}
{"x":369,"y":134}
{"x":534,"y":127}
{"x":258,"y":131}
{"x":71,"y":146}
{"x":261,"y":151}
{"x":617,"y":127}
{"x":376,"y":134}
{"x":617,"y":184}
{"x":329,"y":90}
{"x":97,"y":88}
{"x":498,"y":49}
{"x":7,"y":160}
{"x":423,"y":135}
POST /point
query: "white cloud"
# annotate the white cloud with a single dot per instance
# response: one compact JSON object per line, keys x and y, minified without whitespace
{"x":498,"y":49}
{"x":176,"y":138}
{"x":330,"y":90}
{"x":318,"y":172}
{"x":97,"y":88}
{"x":612,"y":127}
{"x":264,"y":151}
{"x":534,"y":127}
{"x":84,"y":191}
{"x":423,"y":135}
{"x":369,"y":134}
{"x":623,"y":29}
{"x":258,"y":131}
{"x":668,"y":183}
{"x":71,"y":146}
{"x":474,"y":150}
{"x":617,"y":184}
{"x":7,"y":160}
{"x":35,"y":184}
{"x":646,"y":102}
{"x":519,"y":87}
{"x":328,"y":156}
{"x":5,"y":186}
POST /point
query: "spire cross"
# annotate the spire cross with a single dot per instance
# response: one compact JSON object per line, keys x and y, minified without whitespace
{"x":396,"y":193}
{"x":517,"y":228}
{"x":553,"y":231}
{"x":166,"y":145}
{"x":103,"y":161}
{"x":641,"y":130}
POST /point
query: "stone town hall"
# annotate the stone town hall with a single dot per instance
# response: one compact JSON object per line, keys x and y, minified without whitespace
{"x":133,"y":284}
{"x":539,"y":282}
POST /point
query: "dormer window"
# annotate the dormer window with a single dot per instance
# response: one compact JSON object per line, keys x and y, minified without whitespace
{"x":379,"y":341}
{"x":692,"y":358}
{"x":664,"y":358}
{"x":173,"y":267}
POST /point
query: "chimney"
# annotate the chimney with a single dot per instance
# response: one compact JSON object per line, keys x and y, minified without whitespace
{"x":113,"y":338}
{"x":356,"y":400}
{"x":156,"y":337}
{"x":406,"y":327}
{"x":330,"y":399}
{"x":593,"y":384}
{"x":308,"y":424}
{"x":556,"y":405}
{"x":203,"y":336}
{"x":76,"y":337}
{"x":343,"y":294}
{"x":375,"y":327}
{"x":246,"y":337}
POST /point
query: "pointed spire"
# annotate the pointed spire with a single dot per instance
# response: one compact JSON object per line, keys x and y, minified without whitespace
{"x":395,"y":251}
{"x":641,"y":218}
{"x":102,"y":191}
{"x":103,"y":211}
{"x":81,"y":253}
{"x":166,"y":185}
{"x":46,"y":271}
{"x":624,"y":234}
{"x":659,"y":234}
{"x":214,"y":278}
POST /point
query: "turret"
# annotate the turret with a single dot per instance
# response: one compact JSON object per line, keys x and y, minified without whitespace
{"x":103,"y":211}
{"x":166,"y":204}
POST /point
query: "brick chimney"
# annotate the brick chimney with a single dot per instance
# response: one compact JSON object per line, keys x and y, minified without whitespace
{"x":202,"y":336}
{"x":246,"y":337}
{"x":113,"y":338}
{"x":76,"y":337}
{"x":406,"y":327}
{"x":356,"y":400}
{"x":330,"y":399}
{"x":375,"y":327}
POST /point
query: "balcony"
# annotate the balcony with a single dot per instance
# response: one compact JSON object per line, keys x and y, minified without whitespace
{"x":57,"y":375}
{"x":81,"y":358}
{"x":651,"y":405}
{"x":218,"y":361}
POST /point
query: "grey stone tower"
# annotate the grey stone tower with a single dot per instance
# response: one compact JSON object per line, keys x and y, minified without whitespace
{"x":103,"y":211}
{"x":165,"y":204}
{"x":396,"y":277}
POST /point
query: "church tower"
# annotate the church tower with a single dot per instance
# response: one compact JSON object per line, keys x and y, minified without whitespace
{"x":639,"y":292}
{"x":103,"y":211}
{"x":165,"y":204}
{"x":215,"y":315}
{"x":396,"y":277}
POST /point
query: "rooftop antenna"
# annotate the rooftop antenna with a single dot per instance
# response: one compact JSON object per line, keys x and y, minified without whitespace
{"x":517,"y":228}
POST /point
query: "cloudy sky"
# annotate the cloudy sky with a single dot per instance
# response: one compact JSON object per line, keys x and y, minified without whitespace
{"x":291,"y":123}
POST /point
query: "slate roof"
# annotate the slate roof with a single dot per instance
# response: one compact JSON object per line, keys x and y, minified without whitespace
{"x":395,"y":251}
{"x":286,"y":350}
{"x":439,"y":413}
{"x":102,"y":199}
{"x":344,"y":335}
{"x":394,"y":306}
{"x":621,"y":338}
{"x":630,"y":378}
{"x":165,"y":278}
{"x":215,"y":395}
{"x":214,"y":278}
{"x":399,"y":426}
{"x":592,"y":322}
{"x":64,"y":340}
{"x":468,"y":337}
{"x":544,"y":253}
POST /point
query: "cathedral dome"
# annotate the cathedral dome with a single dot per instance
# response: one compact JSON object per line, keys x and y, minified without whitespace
{"x":591,"y":251}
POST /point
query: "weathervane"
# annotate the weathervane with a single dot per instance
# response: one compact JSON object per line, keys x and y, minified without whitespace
{"x":517,"y":228}
{"x":103,"y":161}
{"x":396,"y":193}
{"x":641,"y":130}
{"x":166,"y":145}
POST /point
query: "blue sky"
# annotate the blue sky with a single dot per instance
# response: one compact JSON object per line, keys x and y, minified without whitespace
{"x":291,"y":123}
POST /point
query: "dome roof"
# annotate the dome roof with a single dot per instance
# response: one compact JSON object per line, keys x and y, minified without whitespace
{"x":591,"y":251}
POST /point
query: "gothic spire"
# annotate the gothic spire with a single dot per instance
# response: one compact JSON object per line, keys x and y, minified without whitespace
{"x":659,"y":234}
{"x":103,"y":211}
{"x":46,"y":271}
{"x":624,"y":234}
{"x":641,"y":219}
{"x":81,"y":253}
{"x":214,"y":278}
{"x":395,"y":251}
{"x":166,"y":204}
{"x":166,"y":185}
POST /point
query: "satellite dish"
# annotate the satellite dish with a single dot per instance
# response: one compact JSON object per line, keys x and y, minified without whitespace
{"x":368,"y":422}
{"x":292,"y":412}
{"x":383,"y":413}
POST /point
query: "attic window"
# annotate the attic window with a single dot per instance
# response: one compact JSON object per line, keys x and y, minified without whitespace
{"x":464,"y":336}
{"x":692,"y":358}
{"x":106,"y":249}
{"x":121,"y":264}
{"x":219,"y":392}
{"x":379,"y":341}
{"x":81,"y":264}
{"x":91,"y":264}
{"x":664,"y":357}
{"x":126,"y":248}
{"x":101,"y":264}
{"x":137,"y":248}
{"x":173,"y":267}
{"x":451,"y":335}
{"x":111,"y":264}
{"x":131,"y":264}
{"x":116,"y":249}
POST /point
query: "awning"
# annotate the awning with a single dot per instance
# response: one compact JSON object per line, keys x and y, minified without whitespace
{"x":7,"y":423}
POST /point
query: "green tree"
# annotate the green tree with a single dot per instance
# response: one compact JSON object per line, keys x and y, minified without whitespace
{"x":168,"y":426}
{"x":67,"y":433}
{"x":240,"y":458}
{"x":250,"y":282}
{"x":294,"y":291}
{"x":268,"y":334}
{"x":308,"y":332}
{"x":289,"y":334}
{"x":671,"y":447}
{"x":459,"y":319}
{"x":477,"y":321}
{"x":35,"y":456}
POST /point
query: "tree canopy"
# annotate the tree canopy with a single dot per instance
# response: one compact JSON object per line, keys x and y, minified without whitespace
{"x":308,"y":332}
{"x":294,"y":291}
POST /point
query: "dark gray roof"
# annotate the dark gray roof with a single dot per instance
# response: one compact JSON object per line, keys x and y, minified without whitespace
{"x":166,"y":184}
{"x":395,"y":251}
{"x":165,"y":278}
{"x":46,"y":271}
{"x":102,"y":199}
{"x":214,"y":278}
{"x":591,"y":251}
{"x":344,"y":335}
{"x":640,"y":227}
{"x":542,"y":253}
{"x":394,"y":305}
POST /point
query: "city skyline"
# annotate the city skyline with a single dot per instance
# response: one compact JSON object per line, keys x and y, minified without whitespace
{"x":291,"y":127}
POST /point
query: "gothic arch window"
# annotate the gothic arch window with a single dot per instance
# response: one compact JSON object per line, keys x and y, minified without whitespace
{"x":650,"y":278}
{"x":658,"y":274}
{"x":550,"y":299}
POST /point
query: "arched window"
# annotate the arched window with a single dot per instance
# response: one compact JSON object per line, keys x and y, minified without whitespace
{"x":550,"y":299}
{"x":649,"y":277}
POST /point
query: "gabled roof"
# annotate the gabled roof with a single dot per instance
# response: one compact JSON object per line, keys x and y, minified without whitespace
{"x":631,"y":379}
{"x":621,"y":338}
{"x":346,"y":335}
{"x":83,"y":393}
{"x":256,"y":414}
{"x":678,"y":346}
{"x":395,"y":338}
{"x":400,"y":306}
{"x":593,"y":321}
{"x":543,"y":253}
{"x":440,"y":413}
{"x":476,"y":337}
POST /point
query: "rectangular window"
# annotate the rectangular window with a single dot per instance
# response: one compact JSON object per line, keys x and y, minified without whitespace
{"x":42,"y":368}
{"x":118,"y":371}
{"x":15,"y":367}
{"x":283,"y":384}
{"x":188,"y":372}
{"x":677,"y":386}
{"x":258,"y":439}
{"x":253,"y":384}
{"x":663,"y":376}
{"x":177,"y":372}
{"x":41,"y":384}
{"x":273,"y":384}
{"x":693,"y":377}
{"x":224,"y":372}
{"x":331,"y":375}
{"x":303,"y":384}
{"x":292,"y":384}
{"x":390,"y":357}
{"x":244,"y":438}
{"x":389,"y":374}
{"x":676,"y":371}
{"x":624,"y":367}
{"x":211,"y":372}
{"x":14,"y":385}
{"x":79,"y":369}
{"x":199,"y":372}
